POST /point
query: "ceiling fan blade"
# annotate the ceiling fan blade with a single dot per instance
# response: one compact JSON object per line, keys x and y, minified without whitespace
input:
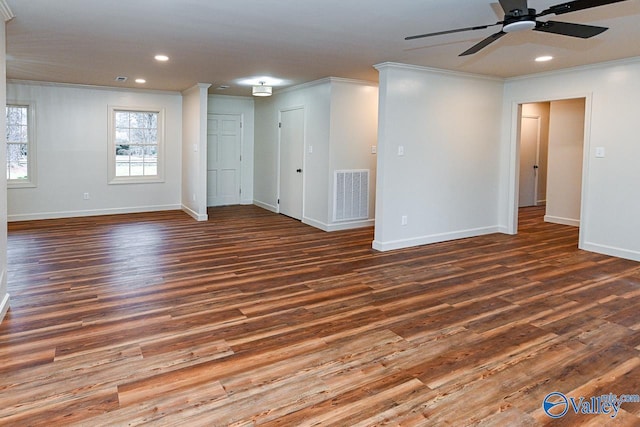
{"x":575,"y":5}
{"x":457,"y":30}
{"x":484,"y":43}
{"x":569,"y":29}
{"x":509,"y":6}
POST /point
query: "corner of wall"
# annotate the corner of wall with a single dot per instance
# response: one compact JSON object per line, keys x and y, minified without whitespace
{"x":4,"y":306}
{"x":4,"y":294}
{"x":195,"y":215}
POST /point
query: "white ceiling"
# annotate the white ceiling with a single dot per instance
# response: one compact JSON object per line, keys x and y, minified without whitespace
{"x":220,"y":42}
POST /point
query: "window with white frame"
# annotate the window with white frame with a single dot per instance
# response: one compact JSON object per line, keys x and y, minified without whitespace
{"x":21,"y":153}
{"x":136,"y":145}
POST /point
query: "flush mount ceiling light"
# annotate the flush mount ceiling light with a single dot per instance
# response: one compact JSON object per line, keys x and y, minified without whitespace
{"x":262,"y":90}
{"x":141,"y":81}
{"x":544,"y":58}
{"x":161,"y":58}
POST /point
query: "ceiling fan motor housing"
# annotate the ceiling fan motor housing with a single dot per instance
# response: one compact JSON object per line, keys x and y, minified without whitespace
{"x":516,"y":22}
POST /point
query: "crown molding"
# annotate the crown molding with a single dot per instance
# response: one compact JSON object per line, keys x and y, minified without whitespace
{"x":5,"y":11}
{"x":232,"y":97}
{"x":325,"y":80}
{"x":596,"y":66}
{"x":90,"y":87}
{"x":353,"y":81}
{"x":441,"y":71}
{"x":197,"y":87}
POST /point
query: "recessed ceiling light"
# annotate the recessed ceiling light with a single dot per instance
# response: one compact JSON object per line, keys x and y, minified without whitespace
{"x":544,"y":58}
{"x":141,"y":81}
{"x":162,"y":58}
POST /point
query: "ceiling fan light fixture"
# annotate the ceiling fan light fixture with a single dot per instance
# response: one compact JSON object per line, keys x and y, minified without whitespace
{"x":513,"y":27}
{"x":519,"y":17}
{"x":262,"y":90}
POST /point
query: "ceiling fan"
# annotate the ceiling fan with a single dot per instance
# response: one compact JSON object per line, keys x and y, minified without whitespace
{"x":518,"y":17}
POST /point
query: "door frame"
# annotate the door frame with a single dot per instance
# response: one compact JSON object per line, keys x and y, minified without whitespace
{"x":304,"y":157}
{"x":514,"y":161}
{"x":240,"y":116}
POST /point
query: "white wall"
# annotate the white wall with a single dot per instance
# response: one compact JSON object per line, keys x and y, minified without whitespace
{"x":4,"y":294}
{"x":447,"y":181}
{"x":610,"y":214}
{"x":243,"y":106}
{"x":566,"y":142}
{"x":354,"y":130}
{"x":72,"y":152}
{"x":315,"y":98}
{"x":194,"y":151}
{"x":340,"y":128}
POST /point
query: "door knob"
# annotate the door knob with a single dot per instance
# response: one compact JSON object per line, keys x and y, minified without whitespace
{"x":299,"y":170}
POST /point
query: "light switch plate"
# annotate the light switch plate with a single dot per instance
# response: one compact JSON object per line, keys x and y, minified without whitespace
{"x":600,"y":152}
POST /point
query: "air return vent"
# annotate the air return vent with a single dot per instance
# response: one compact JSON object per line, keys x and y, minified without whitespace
{"x":121,"y":79}
{"x":351,"y":195}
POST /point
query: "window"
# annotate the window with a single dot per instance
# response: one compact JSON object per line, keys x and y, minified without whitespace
{"x":136,"y":145}
{"x":21,"y":151}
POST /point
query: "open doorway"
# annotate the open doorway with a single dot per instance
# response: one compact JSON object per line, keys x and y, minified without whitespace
{"x":551,"y":157}
{"x":534,"y":144}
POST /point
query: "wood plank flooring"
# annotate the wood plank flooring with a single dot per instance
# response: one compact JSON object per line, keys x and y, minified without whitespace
{"x":253,"y":318}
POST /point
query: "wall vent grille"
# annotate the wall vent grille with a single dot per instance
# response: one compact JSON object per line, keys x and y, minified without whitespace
{"x":351,"y":195}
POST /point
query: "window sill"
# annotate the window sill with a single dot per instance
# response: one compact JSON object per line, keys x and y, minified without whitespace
{"x":20,"y":184}
{"x":136,"y":180}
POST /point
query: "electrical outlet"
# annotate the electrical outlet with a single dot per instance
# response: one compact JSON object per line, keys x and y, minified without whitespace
{"x":404,"y":220}
{"x":400,"y":150}
{"x":374,"y":149}
{"x":194,"y":197}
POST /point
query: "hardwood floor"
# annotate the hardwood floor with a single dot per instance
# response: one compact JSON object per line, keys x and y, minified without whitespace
{"x":256,"y":319}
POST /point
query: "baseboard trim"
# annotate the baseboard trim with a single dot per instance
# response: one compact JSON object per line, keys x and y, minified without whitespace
{"x":4,"y":307}
{"x":611,"y":251}
{"x":347,"y":225}
{"x":562,"y":221}
{"x":505,"y":230}
{"x":266,"y":206}
{"x":434,"y":238}
{"x":193,"y":214}
{"x":94,"y":212}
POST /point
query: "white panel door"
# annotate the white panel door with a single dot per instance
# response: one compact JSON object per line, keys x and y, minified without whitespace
{"x":291,"y":161}
{"x":529,"y":152}
{"x":223,"y":159}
